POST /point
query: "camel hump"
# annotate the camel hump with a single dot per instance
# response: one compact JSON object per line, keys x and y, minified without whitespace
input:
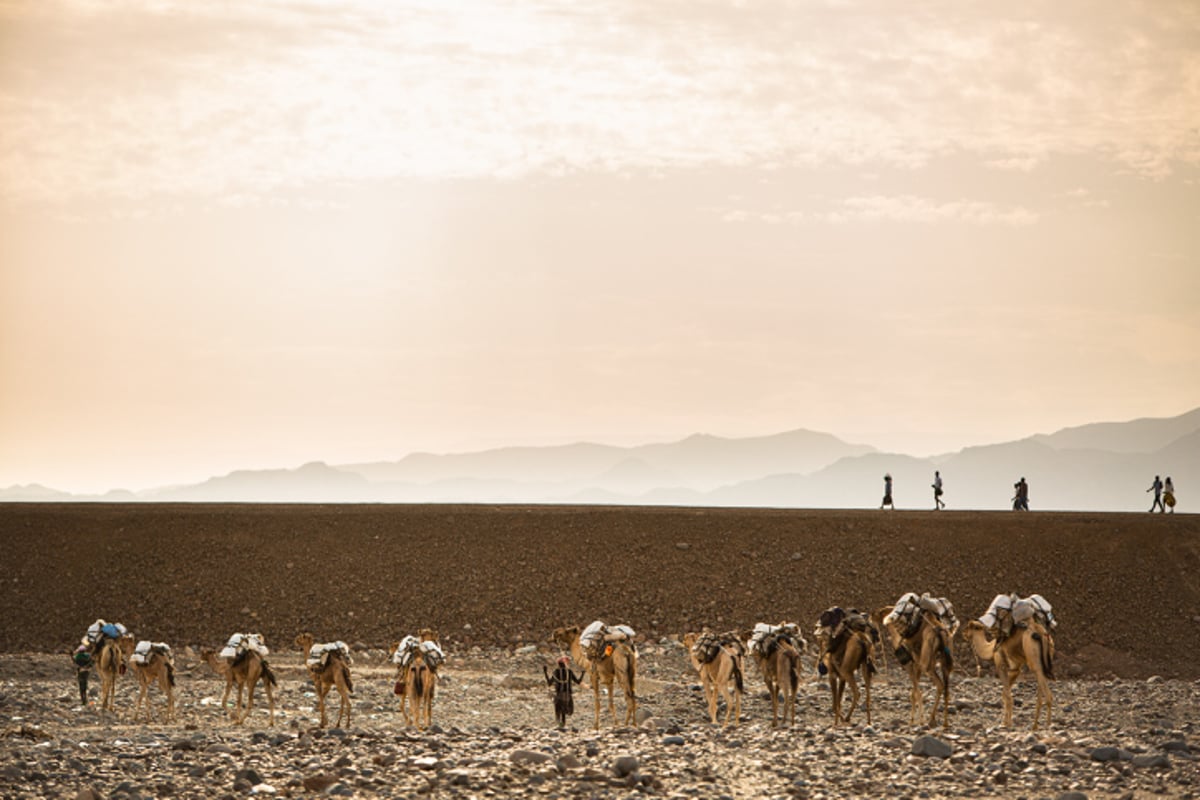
{"x":146,"y":649}
{"x":319,"y":654}
{"x":432,"y":653}
{"x":405,"y":650}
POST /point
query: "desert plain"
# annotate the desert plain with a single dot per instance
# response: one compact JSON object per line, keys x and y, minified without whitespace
{"x":496,"y":580}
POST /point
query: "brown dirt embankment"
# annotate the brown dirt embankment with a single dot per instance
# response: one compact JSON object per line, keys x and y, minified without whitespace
{"x":1125,"y":587}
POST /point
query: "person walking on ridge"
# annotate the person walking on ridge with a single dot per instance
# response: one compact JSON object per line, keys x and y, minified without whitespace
{"x":938,"y":505}
{"x":887,"y":492}
{"x":1157,"y":488}
{"x":1169,"y":494}
{"x":1021,"y":498}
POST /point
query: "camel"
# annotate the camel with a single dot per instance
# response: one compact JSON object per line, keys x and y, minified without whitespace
{"x":402,"y":670}
{"x":781,"y":670}
{"x":158,"y":668}
{"x":928,"y":653}
{"x":721,"y":676}
{"x":110,"y":663}
{"x":619,"y":661}
{"x":335,"y":673}
{"x":245,"y":673}
{"x":786,"y":667}
{"x":850,"y":652}
{"x":1031,"y":646}
{"x":419,"y":686}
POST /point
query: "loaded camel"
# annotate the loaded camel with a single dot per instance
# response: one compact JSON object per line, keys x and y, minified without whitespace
{"x":244,"y":672}
{"x":1031,"y":646}
{"x":404,"y":668}
{"x":159,"y":668}
{"x":928,"y":652}
{"x":110,"y":663}
{"x":848,"y":652}
{"x":618,"y":660}
{"x":721,"y":674}
{"x":785,"y":664}
{"x":781,"y":670}
{"x":335,"y":673}
{"x":419,"y":687}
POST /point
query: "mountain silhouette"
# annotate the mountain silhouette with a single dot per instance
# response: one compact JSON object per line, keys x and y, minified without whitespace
{"x":1104,"y":466}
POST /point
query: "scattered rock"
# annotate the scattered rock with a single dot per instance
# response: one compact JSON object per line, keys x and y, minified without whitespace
{"x":529,"y":757}
{"x":931,"y":746}
{"x":625,"y":765}
{"x":319,"y":783}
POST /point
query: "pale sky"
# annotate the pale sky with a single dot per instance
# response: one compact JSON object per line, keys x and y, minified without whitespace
{"x":252,"y":234}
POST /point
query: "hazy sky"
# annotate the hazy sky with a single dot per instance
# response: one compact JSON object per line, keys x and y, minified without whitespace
{"x":254,"y":234}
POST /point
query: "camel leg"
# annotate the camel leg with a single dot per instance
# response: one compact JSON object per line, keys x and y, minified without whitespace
{"x":612,"y":703}
{"x":225,"y":699}
{"x":321,"y":690}
{"x":631,"y":701}
{"x":935,"y":679}
{"x":169,"y":690}
{"x":270,"y":702}
{"x":137,"y":704}
{"x":867,"y":688}
{"x":251,"y":685}
{"x":855,"y":695}
{"x":1008,"y":678}
{"x":773,"y":688}
{"x":596,"y":693}
{"x":836,"y":687}
{"x":1044,"y":698}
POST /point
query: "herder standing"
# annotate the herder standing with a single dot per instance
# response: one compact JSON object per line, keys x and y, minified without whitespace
{"x":561,"y":679}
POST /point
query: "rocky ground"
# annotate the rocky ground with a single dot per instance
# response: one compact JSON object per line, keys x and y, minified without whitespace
{"x":496,"y":580}
{"x":494,"y":737}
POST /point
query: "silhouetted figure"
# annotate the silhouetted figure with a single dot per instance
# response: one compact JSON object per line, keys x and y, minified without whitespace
{"x":938,"y":505}
{"x":1169,"y":494}
{"x":887,"y":492}
{"x":1157,"y":488}
{"x":561,"y":679}
{"x":1021,"y":495}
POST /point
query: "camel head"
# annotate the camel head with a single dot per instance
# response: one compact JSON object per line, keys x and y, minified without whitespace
{"x":209,"y":656}
{"x":689,"y":639}
{"x":428,"y":635}
{"x":305,"y":642}
{"x":565,"y":637}
{"x":971,"y":627}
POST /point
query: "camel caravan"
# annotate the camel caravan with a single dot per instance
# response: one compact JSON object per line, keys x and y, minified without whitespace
{"x":849,"y":648}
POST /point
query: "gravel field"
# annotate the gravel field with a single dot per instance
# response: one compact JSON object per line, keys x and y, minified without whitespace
{"x":494,"y":737}
{"x":496,"y":580}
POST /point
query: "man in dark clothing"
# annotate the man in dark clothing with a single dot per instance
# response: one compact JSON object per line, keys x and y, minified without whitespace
{"x":83,"y":667}
{"x":561,"y":679}
{"x":1157,"y":488}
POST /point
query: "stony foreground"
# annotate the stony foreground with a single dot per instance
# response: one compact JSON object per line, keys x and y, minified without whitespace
{"x":493,"y":737}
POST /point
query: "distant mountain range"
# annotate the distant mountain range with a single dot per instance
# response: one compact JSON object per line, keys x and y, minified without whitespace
{"x":1103,"y":467}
